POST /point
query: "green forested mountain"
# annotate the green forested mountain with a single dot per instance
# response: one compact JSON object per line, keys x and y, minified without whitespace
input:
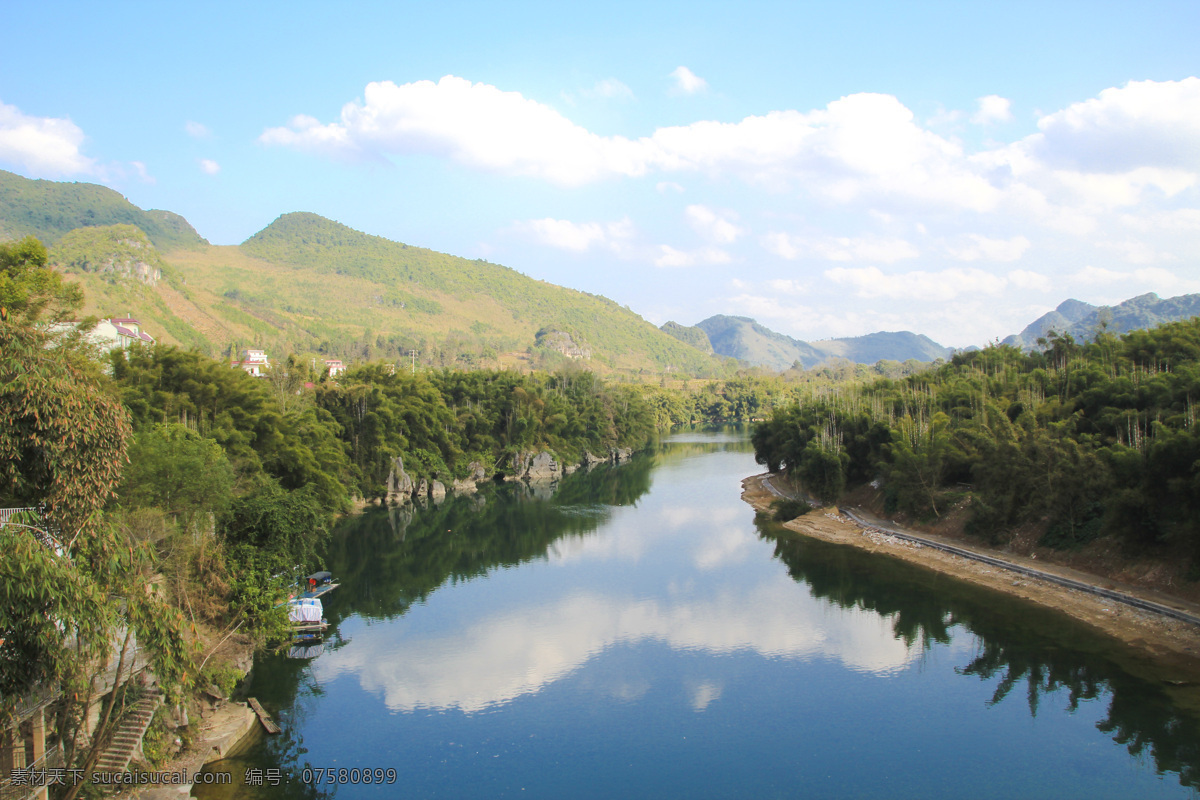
{"x":50,"y":209}
{"x":1083,"y":320}
{"x":693,"y":336}
{"x":744,"y":339}
{"x":747,"y":340}
{"x":310,"y":285}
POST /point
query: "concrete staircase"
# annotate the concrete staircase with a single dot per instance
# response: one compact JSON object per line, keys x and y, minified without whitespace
{"x":128,"y":738}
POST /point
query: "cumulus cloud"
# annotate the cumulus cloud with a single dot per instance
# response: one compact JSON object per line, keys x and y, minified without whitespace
{"x":611,"y":88}
{"x":714,"y":226}
{"x":688,"y":82}
{"x":974,"y":247}
{"x":839,"y":248}
{"x":578,"y":236}
{"x":196,"y":130}
{"x":787,"y":286}
{"x":1141,"y":124}
{"x":43,"y":145}
{"x":209,"y":166}
{"x":991,"y":109}
{"x":1030,"y":281}
{"x":1145,"y":279}
{"x":475,"y":124}
{"x":671,"y":257}
{"x":1132,"y":151}
{"x":918,"y":285}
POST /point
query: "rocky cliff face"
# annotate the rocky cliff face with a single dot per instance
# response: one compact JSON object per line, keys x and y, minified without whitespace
{"x":402,"y":487}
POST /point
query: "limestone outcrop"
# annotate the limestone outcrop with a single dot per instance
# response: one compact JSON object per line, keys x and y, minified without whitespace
{"x":470,"y":483}
{"x":400,"y":486}
{"x":540,"y":466}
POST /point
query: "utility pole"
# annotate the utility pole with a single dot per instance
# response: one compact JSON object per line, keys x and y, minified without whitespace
{"x":413,"y":353}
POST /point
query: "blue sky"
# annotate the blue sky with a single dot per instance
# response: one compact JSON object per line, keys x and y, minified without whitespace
{"x":954,"y":169}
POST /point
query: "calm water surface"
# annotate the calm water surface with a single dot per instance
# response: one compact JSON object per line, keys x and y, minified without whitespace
{"x":637,"y":634}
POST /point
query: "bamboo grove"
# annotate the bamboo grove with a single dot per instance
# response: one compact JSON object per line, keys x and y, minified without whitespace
{"x":1080,"y":441}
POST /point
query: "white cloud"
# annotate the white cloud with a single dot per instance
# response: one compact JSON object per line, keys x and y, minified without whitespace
{"x":1146,"y":279}
{"x":974,"y":247}
{"x":611,"y":88}
{"x":1142,"y":124}
{"x":839,"y":248}
{"x":475,"y":124}
{"x":143,"y":173}
{"x":1182,"y":219}
{"x":713,"y":226}
{"x":42,"y":145}
{"x":1128,"y":157}
{"x":671,"y":257}
{"x":1135,"y":252}
{"x":577,"y":236}
{"x":992,"y":108}
{"x":687,"y":82}
{"x":196,"y":130}
{"x":209,"y":166}
{"x":1030,"y":281}
{"x":787,"y":286}
{"x":919,"y":284}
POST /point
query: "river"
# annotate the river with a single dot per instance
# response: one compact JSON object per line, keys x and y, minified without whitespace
{"x":637,"y":633}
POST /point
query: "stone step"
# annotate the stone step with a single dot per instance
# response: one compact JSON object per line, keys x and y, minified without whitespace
{"x":129,"y":734}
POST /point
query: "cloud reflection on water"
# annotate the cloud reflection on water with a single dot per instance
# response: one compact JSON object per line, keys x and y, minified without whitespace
{"x":520,"y":650}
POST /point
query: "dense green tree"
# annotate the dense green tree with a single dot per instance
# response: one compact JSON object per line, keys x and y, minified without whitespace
{"x":174,"y":468}
{"x":28,"y":288}
{"x":1079,"y":440}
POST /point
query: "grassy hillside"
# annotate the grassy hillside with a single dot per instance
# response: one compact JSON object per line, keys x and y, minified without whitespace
{"x":50,"y":209}
{"x":306,"y":284}
{"x":335,"y":277}
{"x":122,"y":274}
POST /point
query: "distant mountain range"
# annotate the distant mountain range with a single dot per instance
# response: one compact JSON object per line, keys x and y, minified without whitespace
{"x":1082,"y":320}
{"x":747,"y":340}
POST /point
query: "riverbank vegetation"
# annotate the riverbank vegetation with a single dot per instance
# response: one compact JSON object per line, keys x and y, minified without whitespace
{"x":1077,"y":442}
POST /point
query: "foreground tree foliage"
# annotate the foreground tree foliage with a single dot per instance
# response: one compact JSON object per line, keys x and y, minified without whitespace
{"x":71,"y":582}
{"x":1081,"y":440}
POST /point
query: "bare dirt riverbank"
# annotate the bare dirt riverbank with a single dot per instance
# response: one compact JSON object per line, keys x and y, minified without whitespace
{"x":1161,"y":648}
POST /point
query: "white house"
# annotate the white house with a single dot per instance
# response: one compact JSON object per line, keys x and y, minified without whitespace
{"x":335,"y":367}
{"x":113,"y":334}
{"x":254,"y":362}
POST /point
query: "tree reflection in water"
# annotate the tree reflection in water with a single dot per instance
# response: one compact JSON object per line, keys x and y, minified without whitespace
{"x":388,"y":559}
{"x":1017,"y":642}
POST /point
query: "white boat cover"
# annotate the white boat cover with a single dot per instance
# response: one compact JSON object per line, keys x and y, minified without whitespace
{"x":305,"y":610}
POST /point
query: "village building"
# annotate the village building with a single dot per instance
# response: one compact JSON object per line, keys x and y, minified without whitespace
{"x":254,"y":362}
{"x":119,"y":333}
{"x":335,"y":367}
